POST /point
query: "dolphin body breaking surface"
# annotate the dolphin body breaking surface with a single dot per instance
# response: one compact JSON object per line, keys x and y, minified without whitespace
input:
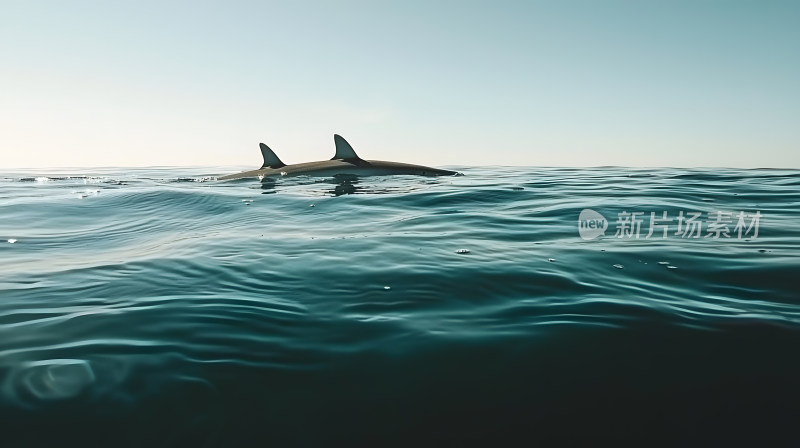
{"x":345,"y":161}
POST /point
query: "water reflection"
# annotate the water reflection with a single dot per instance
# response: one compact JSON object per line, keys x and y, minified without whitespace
{"x":342,"y":184}
{"x":268,"y":186}
{"x":345,"y":184}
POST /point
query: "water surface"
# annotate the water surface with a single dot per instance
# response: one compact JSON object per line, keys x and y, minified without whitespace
{"x":161,"y":307}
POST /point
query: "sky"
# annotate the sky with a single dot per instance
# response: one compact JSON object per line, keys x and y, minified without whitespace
{"x":638,"y":83}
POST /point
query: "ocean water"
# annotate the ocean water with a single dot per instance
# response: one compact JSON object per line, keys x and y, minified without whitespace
{"x":161,"y":307}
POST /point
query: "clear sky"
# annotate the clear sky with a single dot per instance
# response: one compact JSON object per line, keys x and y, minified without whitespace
{"x":540,"y":83}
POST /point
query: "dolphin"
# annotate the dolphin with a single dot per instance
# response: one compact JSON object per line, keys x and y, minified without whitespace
{"x":344,"y":162}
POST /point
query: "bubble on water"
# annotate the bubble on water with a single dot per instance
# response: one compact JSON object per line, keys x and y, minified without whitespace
{"x":672,"y":267}
{"x":462,"y":251}
{"x":618,"y":266}
{"x":663,"y":262}
{"x":387,"y":287}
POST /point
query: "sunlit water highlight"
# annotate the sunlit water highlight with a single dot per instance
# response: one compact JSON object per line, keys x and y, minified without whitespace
{"x":163,"y":307}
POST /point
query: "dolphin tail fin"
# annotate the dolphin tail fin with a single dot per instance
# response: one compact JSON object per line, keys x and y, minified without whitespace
{"x":343,"y":149}
{"x":270,"y":159}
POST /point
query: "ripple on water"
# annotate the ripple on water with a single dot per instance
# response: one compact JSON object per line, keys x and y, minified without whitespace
{"x":182,"y":300}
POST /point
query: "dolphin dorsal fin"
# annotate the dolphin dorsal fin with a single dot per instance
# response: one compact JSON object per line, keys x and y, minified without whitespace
{"x":270,"y":159}
{"x":343,"y":149}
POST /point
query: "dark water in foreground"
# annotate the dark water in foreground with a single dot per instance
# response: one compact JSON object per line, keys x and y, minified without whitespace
{"x":164,"y":308}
